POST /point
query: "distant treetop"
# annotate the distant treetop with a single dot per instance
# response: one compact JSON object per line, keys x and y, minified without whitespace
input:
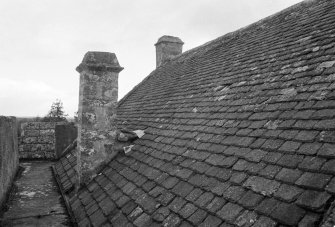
{"x":56,"y":113}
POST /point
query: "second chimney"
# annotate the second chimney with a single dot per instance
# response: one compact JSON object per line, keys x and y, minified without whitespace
{"x":167,"y":47}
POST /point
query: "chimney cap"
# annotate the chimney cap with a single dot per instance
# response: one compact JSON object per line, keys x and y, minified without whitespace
{"x":99,"y":61}
{"x":169,"y":39}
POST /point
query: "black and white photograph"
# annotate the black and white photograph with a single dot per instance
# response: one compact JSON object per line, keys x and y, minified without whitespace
{"x":179,"y":113}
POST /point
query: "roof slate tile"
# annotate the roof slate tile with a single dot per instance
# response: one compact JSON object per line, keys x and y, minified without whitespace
{"x":211,"y":221}
{"x":309,"y":220}
{"x":234,"y":193}
{"x":288,"y":175}
{"x":313,"y":180}
{"x":182,"y":189}
{"x":290,"y":161}
{"x":313,"y":199}
{"x":215,"y":204}
{"x":188,"y":210}
{"x":247,"y":218}
{"x":261,"y":185}
{"x":288,"y":214}
{"x":288,"y":193}
{"x":142,"y":221}
{"x":172,"y":220}
{"x":327,"y":151}
{"x":197,"y":217}
{"x":311,"y":163}
{"x":229,"y":212}
{"x":250,"y":199}
{"x":265,"y":222}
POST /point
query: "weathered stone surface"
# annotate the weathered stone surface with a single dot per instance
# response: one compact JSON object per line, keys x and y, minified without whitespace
{"x":166,"y":48}
{"x":36,"y":202}
{"x":98,"y":95}
{"x":229,"y":212}
{"x":289,"y":214}
{"x":9,"y":159}
{"x":37,"y":140}
{"x":262,"y":185}
{"x":45,"y":140}
{"x":313,"y":199}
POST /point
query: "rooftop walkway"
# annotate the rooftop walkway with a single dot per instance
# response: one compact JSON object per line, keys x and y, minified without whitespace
{"x":35,"y":199}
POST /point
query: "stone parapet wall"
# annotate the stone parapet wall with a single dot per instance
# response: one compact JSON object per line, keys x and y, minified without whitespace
{"x":9,"y":158}
{"x":39,"y":139}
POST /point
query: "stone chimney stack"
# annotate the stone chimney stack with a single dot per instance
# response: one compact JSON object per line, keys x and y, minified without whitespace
{"x":167,"y":47}
{"x":98,"y":96}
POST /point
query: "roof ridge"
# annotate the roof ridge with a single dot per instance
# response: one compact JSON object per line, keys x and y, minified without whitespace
{"x":230,"y":35}
{"x":241,"y":30}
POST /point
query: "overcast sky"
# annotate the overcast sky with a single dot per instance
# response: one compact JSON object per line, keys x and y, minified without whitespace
{"x":42,"y":41}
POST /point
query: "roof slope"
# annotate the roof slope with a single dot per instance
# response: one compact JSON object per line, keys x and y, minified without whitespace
{"x":239,"y":131}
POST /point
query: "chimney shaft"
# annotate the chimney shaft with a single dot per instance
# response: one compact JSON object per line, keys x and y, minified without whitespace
{"x":98,"y":97}
{"x":167,"y":47}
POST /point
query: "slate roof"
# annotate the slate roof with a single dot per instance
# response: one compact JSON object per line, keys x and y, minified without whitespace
{"x":238,"y":132}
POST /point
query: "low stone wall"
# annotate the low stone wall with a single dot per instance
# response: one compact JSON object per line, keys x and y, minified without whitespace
{"x":9,"y":158}
{"x":45,"y":140}
{"x":37,"y":140}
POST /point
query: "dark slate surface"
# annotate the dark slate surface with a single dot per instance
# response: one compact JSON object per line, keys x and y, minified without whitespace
{"x":65,"y":170}
{"x":239,"y":132}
